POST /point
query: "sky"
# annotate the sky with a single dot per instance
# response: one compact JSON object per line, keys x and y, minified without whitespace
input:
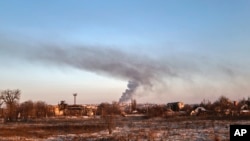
{"x":155,"y":51}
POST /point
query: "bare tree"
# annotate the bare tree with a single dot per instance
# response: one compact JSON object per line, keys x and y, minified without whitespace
{"x":206,"y":104}
{"x":222,"y":105}
{"x":26,"y":110}
{"x":1,"y":110}
{"x":133,"y":105}
{"x":108,"y":112}
{"x":10,"y":98}
{"x":41,"y":109}
{"x":1,"y":102}
{"x":50,"y":110}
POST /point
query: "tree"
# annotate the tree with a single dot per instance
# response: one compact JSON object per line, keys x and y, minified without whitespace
{"x":10,"y":98}
{"x":133,"y":105}
{"x":50,"y":110}
{"x":108,"y":112}
{"x":241,"y":103}
{"x":1,"y":102}
{"x":1,"y":110}
{"x":41,"y":109}
{"x":206,"y":103}
{"x":222,"y":104}
{"x":26,"y":110}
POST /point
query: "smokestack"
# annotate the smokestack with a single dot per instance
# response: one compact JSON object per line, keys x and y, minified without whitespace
{"x":128,"y":94}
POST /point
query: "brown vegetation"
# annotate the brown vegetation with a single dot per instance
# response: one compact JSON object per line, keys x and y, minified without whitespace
{"x":10,"y":98}
{"x":108,"y":114}
{"x":37,"y":119}
{"x":49,"y":127}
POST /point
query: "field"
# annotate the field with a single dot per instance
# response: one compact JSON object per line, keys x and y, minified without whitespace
{"x":124,"y":128}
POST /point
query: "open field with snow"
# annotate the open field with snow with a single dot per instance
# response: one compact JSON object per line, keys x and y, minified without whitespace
{"x":125,"y":128}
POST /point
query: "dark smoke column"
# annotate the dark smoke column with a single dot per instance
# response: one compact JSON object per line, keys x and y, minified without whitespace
{"x":127,"y":95}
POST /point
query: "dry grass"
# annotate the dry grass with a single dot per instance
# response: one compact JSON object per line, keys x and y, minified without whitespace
{"x":127,"y":128}
{"x":49,"y":128}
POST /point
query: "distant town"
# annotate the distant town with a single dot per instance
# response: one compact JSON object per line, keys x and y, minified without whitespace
{"x":12,"y":110}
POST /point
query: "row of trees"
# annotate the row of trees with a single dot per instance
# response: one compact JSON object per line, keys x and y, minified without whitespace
{"x":222,"y":106}
{"x":25,"y":110}
{"x":223,"y":103}
{"x":30,"y":109}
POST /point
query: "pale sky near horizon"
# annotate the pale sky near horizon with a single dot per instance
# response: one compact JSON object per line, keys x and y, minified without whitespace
{"x":177,"y":50}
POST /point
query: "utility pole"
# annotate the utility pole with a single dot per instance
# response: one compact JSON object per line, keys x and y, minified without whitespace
{"x":75,"y":94}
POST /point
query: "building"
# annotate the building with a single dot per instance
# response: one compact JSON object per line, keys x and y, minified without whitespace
{"x":175,"y":106}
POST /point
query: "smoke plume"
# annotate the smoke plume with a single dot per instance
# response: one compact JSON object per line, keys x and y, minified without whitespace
{"x":189,"y":74}
{"x":128,"y":94}
{"x":139,"y":71}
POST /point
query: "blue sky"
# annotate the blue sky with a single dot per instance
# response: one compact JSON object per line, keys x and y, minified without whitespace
{"x":201,"y":41}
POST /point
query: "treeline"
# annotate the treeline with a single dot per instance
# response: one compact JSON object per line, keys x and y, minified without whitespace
{"x":23,"y":111}
{"x":223,"y":106}
{"x":39,"y":109}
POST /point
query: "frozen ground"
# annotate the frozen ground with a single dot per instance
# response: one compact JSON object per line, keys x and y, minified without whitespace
{"x":156,"y":129}
{"x":205,"y":130}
